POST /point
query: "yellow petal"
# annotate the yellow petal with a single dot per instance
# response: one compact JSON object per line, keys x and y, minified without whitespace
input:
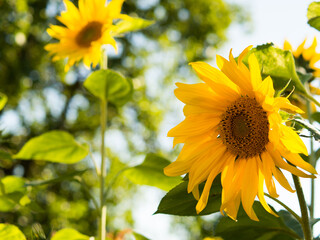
{"x":296,"y":160}
{"x":213,"y":77}
{"x":261,"y":195}
{"x":311,"y":51}
{"x":282,"y":180}
{"x":243,"y":54}
{"x":292,"y":141}
{"x":287,"y":45}
{"x":249,"y":188}
{"x":195,"y":125}
{"x":195,"y":192}
{"x":300,"y":49}
{"x":255,"y":71}
{"x":267,"y":168}
{"x":284,"y":103}
{"x":212,"y":161}
{"x":265,"y":90}
{"x":281,"y":163}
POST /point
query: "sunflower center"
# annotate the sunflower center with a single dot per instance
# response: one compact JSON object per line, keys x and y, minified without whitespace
{"x":91,"y":32}
{"x":244,"y":128}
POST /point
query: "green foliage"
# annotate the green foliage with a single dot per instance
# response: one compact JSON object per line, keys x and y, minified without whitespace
{"x":291,"y":222}
{"x":108,"y":85}
{"x":314,"y":15}
{"x":69,"y":234}
{"x":268,"y":227}
{"x":150,"y":172}
{"x":10,"y":232}
{"x":130,"y":24}
{"x":279,"y":64}
{"x":181,"y":203}
{"x":12,"y":193}
{"x":53,"y":146}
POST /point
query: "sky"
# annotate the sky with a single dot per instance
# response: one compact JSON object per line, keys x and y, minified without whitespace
{"x":272,"y":21}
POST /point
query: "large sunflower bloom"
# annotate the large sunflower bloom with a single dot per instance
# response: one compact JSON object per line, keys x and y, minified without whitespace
{"x":233,"y":127}
{"x":305,"y":57}
{"x":86,"y":30}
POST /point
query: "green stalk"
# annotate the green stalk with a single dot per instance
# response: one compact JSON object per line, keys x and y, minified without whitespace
{"x":286,"y":207}
{"x":311,"y":159}
{"x":103,"y":122}
{"x":305,"y":222}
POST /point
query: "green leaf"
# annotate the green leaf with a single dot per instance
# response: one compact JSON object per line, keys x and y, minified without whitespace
{"x":179,"y":202}
{"x":12,"y":190}
{"x":130,"y":24}
{"x":108,"y":85}
{"x":138,"y":236}
{"x":279,"y":65}
{"x":54,"y":146}
{"x":10,"y":232}
{"x":3,"y":100}
{"x":268,"y":226}
{"x":56,"y":180}
{"x":313,"y":130}
{"x":69,"y":234}
{"x":150,"y":173}
{"x":291,"y":222}
{"x":313,"y":15}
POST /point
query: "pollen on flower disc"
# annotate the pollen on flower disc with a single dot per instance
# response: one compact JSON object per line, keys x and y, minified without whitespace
{"x":91,"y":32}
{"x":244,"y":128}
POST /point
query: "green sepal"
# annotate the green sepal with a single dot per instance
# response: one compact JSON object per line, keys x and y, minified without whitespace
{"x":53,"y":146}
{"x":109,"y":85}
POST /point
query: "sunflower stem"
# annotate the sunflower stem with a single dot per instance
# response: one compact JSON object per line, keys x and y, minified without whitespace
{"x":103,"y":122}
{"x":311,"y":159}
{"x":296,"y":216}
{"x":305,"y":222}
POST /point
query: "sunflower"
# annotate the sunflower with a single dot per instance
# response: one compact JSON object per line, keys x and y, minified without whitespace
{"x":305,"y":57}
{"x":86,"y":30}
{"x":233,"y":127}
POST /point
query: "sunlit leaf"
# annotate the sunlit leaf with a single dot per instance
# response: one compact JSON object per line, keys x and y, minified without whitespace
{"x":150,"y":173}
{"x":179,"y":202}
{"x":3,"y":100}
{"x":69,"y":234}
{"x":12,"y":191}
{"x":129,"y":24}
{"x":54,"y":146}
{"x":279,"y":64}
{"x":314,"y":15}
{"x":10,"y":232}
{"x":109,"y":85}
{"x":268,"y":227}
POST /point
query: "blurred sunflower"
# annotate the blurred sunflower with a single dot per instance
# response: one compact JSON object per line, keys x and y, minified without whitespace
{"x":305,"y":57}
{"x":233,"y":127}
{"x":86,"y":30}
